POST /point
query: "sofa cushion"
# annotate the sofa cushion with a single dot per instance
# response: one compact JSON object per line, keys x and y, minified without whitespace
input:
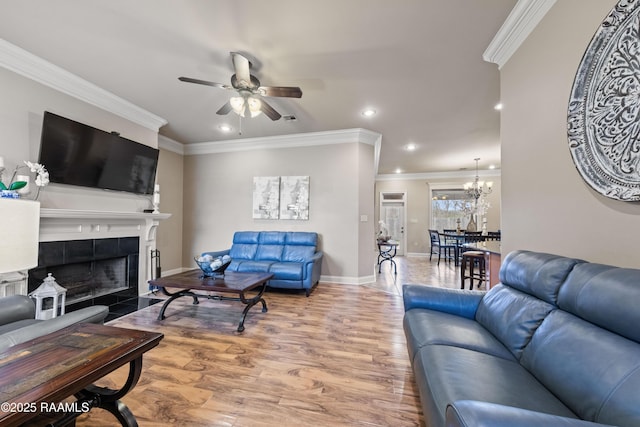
{"x":606,"y":296}
{"x":445,"y":374}
{"x":298,"y":253}
{"x":243,"y":251}
{"x":535,"y":273}
{"x":246,"y":237}
{"x":272,"y":238}
{"x":287,"y":270}
{"x":512,"y":316}
{"x":423,"y":327}
{"x":269,"y":252}
{"x":301,"y":238}
{"x":595,"y":372}
{"x":254,"y":266}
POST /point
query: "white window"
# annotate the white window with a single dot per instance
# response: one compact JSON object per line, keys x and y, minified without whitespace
{"x":449,"y":209}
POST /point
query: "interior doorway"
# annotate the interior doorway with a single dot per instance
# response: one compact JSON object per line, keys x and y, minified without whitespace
{"x":393,"y":213}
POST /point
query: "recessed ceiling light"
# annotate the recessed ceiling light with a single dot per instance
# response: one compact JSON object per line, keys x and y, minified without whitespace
{"x":225,"y":128}
{"x":369,"y":112}
{"x":498,"y":106}
{"x":411,"y":147}
{"x":398,"y":170}
{"x":492,"y":166}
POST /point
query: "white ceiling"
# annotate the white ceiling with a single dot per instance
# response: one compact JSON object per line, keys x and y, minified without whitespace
{"x":417,"y":62}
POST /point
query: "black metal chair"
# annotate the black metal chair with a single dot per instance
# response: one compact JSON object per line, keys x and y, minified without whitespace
{"x":438,"y":247}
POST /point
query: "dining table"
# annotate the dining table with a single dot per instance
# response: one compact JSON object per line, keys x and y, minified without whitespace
{"x":461,"y":239}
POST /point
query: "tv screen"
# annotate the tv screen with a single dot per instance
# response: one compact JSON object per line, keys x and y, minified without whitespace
{"x":78,"y":154}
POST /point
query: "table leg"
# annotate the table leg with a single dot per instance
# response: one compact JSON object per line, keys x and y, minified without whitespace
{"x":174,"y":296}
{"x":250,"y":303}
{"x":109,"y":399}
{"x":386,"y":255}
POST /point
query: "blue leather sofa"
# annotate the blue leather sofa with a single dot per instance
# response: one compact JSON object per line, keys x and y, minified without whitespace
{"x":291,"y":256}
{"x":18,"y":323}
{"x":556,"y":343}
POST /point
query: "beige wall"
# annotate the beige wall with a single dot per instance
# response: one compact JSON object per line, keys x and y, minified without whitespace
{"x":366,"y":229}
{"x":546,"y":204}
{"x":418,"y":201}
{"x":218,"y":201}
{"x":22,"y":107}
{"x":169,"y":232}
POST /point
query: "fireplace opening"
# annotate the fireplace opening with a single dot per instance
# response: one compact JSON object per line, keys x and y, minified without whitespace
{"x":89,"y":269}
{"x":91,"y":279}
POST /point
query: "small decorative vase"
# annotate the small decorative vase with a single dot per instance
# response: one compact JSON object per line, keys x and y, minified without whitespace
{"x":472,"y":224}
{"x":9,"y":194}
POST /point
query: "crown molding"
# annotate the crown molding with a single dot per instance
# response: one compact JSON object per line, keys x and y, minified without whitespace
{"x":524,"y":17}
{"x":35,"y":68}
{"x":286,"y":141}
{"x":169,"y":144}
{"x":438,"y":175}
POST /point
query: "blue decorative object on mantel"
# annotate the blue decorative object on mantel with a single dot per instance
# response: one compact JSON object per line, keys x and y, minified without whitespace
{"x":213,"y":267}
{"x":9,"y":194}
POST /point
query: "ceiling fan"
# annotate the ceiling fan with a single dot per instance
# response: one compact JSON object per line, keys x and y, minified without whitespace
{"x":249,"y":101}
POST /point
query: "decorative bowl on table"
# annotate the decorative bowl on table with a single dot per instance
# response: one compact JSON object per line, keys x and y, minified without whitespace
{"x":211,"y":266}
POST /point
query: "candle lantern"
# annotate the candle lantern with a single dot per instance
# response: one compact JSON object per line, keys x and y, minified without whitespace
{"x":49,"y":289}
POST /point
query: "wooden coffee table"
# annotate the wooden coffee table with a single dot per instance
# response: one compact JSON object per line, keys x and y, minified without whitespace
{"x":231,"y":283}
{"x":37,"y":375}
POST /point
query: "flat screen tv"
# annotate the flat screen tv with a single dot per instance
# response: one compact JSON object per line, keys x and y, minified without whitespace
{"x":78,"y":154}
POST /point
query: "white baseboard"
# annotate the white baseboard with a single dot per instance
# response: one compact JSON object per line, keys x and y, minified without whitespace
{"x":417,"y":254}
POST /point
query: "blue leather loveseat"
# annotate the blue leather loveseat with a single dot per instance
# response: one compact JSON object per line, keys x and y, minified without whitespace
{"x":556,"y":343}
{"x":291,"y":256}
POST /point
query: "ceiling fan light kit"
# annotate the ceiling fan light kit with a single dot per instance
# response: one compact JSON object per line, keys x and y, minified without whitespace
{"x":249,"y":101}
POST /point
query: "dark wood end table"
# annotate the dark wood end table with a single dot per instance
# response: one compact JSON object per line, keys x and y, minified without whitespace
{"x":231,"y":283}
{"x":37,"y":375}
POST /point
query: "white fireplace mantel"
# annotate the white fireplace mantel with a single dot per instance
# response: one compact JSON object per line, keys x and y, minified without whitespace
{"x":71,"y":224}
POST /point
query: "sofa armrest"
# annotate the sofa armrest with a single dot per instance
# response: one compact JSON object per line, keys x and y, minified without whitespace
{"x":471,"y":413}
{"x":453,"y":301}
{"x":93,"y":314}
{"x":15,"y":308}
{"x":312,"y":267}
{"x":316,"y":257}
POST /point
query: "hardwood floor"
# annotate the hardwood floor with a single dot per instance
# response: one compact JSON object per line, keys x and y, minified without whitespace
{"x":337,"y":358}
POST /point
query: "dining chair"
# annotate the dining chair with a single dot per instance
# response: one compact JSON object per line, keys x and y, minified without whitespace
{"x":473,"y":267}
{"x":438,"y":247}
{"x":473,"y":236}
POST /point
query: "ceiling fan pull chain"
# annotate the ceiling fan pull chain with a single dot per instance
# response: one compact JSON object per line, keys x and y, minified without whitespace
{"x":239,"y":124}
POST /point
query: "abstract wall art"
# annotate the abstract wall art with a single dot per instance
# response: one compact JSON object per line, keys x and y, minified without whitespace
{"x":294,"y":197}
{"x":266,"y":197}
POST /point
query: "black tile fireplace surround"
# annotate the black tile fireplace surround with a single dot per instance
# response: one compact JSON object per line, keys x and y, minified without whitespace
{"x":94,"y":271}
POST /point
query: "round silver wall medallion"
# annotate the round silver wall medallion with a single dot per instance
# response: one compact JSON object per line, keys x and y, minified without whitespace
{"x":604,"y":108}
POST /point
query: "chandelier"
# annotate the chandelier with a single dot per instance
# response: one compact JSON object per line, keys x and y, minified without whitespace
{"x":477,"y":188}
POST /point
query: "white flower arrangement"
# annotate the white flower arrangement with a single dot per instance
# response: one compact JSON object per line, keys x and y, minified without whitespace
{"x":42,"y":179}
{"x":42,"y":176}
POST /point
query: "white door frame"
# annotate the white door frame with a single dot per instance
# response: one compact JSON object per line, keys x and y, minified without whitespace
{"x":403,"y":200}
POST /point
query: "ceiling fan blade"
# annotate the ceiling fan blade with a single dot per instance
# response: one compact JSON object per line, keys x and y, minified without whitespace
{"x":204,"y":82}
{"x":269,"y":111}
{"x":225,"y":109}
{"x":242,"y":66}
{"x":280,"y":91}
